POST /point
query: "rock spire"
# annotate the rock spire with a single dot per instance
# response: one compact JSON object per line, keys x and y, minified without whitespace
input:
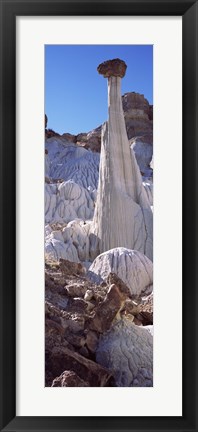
{"x":123,"y":216}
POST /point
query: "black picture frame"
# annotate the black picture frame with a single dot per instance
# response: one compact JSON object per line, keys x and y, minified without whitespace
{"x":9,"y":10}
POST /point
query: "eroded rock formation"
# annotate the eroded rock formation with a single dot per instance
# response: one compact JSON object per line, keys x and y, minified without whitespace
{"x":115,"y":67}
{"x":99,"y":323}
{"x":138,"y":116}
{"x":67,"y":201}
{"x":143,"y":150}
{"x":134,"y":268}
{"x":67,"y":161}
{"x":69,"y":379}
{"x":122,"y":215}
{"x":82,"y":320}
{"x":46,"y":120}
{"x":127,"y":350}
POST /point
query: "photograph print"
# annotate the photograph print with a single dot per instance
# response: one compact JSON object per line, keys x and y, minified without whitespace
{"x":98,"y":215}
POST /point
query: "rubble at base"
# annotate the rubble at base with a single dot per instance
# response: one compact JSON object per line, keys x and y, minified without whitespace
{"x":79,"y":316}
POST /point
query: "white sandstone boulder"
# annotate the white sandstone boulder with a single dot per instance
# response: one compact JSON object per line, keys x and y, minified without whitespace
{"x":134,"y":268}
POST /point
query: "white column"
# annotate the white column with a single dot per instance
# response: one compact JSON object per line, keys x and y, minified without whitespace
{"x":122,"y":215}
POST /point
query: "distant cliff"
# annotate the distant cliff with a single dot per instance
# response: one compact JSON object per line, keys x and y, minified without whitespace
{"x":139,"y":124}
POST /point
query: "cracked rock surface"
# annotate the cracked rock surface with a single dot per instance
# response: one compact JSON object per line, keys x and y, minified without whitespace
{"x":127,"y":351}
{"x":134,"y":268}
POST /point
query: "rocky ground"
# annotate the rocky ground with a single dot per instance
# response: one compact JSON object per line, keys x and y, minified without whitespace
{"x":77,"y":315}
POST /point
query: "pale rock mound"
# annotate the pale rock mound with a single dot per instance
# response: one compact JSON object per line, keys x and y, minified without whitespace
{"x":68,"y":161}
{"x":69,"y":379}
{"x":134,"y":268}
{"x":143,"y":153}
{"x":67,"y":201}
{"x":127,"y":351}
{"x":151,"y":163}
{"x":47,"y":165}
{"x":148,"y":187}
{"x":70,"y":243}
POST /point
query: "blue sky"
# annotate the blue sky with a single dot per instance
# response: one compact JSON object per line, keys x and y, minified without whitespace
{"x":76,"y":95}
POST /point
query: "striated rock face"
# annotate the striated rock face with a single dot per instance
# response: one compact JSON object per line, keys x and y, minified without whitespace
{"x":143,"y":152}
{"x":138,"y":116}
{"x":69,"y":137}
{"x":127,"y":351}
{"x":134,"y":268}
{"x":115,"y":67}
{"x":70,"y":242}
{"x":122,"y":215}
{"x":67,"y":161}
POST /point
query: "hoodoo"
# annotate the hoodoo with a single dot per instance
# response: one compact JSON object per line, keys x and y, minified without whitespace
{"x":123,"y":216}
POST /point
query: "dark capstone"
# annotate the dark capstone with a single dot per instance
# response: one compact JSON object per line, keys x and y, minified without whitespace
{"x":115,"y":67}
